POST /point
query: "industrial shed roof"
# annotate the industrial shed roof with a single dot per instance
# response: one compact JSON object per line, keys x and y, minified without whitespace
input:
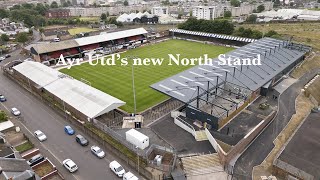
{"x":56,"y":46}
{"x":275,"y":57}
{"x":86,"y":99}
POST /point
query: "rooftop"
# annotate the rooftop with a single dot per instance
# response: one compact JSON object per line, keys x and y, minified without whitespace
{"x":51,"y":47}
{"x":276,"y":56}
{"x":86,"y":99}
{"x":301,"y":154}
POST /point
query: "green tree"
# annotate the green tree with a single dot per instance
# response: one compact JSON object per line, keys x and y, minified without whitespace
{"x":4,"y":13}
{"x":166,"y":2}
{"x":65,"y":4}
{"x":4,"y":37}
{"x":235,"y":3}
{"x":252,"y":18}
{"x":41,"y":30}
{"x":22,"y":37}
{"x":227,"y":14}
{"x":54,"y":4}
{"x":41,"y":9}
{"x":17,"y":6}
{"x":210,"y":26}
{"x":271,"y":33}
{"x":260,"y":8}
{"x":125,"y":3}
{"x":179,"y":15}
{"x":276,"y":3}
{"x":108,"y":14}
{"x":318,"y":1}
{"x":103,"y":16}
{"x":3,"y":116}
{"x":27,"y":6}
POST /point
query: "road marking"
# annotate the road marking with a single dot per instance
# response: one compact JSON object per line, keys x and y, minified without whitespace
{"x":5,"y":107}
{"x":45,"y":147}
{"x":107,"y":160}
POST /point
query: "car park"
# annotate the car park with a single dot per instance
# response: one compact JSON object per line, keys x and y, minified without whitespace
{"x":97,"y":151}
{"x":2,"y":98}
{"x":35,"y":160}
{"x":40,"y":135}
{"x":69,"y":130}
{"x":70,"y":165}
{"x":15,"y":111}
{"x":129,"y":176}
{"x":81,"y":140}
{"x":117,"y":168}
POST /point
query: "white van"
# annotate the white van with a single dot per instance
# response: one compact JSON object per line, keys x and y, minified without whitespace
{"x":129,"y":176}
{"x":117,"y":168}
{"x":56,"y":39}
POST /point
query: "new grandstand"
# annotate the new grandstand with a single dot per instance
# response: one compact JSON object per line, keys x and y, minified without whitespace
{"x":212,"y":92}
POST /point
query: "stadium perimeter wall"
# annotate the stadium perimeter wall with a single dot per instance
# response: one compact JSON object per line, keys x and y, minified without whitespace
{"x":31,"y":87}
{"x":227,"y":157}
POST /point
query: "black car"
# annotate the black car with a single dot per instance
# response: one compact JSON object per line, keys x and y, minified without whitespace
{"x":2,"y":98}
{"x":7,"y":55}
{"x":35,"y":160}
{"x":81,"y":140}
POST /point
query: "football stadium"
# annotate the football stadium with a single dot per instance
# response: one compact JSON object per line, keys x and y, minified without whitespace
{"x":117,"y":80}
{"x":212,"y":112}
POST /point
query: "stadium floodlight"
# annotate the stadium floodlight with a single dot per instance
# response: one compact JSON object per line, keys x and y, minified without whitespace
{"x":133,"y":87}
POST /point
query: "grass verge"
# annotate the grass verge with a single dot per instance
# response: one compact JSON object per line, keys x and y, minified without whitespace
{"x":24,"y":147}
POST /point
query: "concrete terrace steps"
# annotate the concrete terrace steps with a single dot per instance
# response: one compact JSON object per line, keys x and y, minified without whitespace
{"x":203,"y":164}
{"x":201,"y":135}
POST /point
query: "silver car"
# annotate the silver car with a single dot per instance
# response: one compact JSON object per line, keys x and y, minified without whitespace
{"x":40,"y":135}
{"x":97,"y":151}
{"x":15,"y":111}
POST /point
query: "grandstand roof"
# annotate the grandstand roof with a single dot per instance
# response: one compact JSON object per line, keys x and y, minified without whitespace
{"x":275,"y":57}
{"x":84,"y":98}
{"x":218,"y":36}
{"x":56,"y":46}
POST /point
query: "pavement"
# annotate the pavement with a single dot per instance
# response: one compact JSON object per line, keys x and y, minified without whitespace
{"x":263,"y":144}
{"x":59,"y":146}
{"x":182,"y":141}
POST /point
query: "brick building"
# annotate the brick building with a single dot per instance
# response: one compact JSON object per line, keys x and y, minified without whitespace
{"x":58,"y":13}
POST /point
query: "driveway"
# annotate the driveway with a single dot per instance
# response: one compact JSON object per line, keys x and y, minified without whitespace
{"x":263,"y":144}
{"x":59,"y":146}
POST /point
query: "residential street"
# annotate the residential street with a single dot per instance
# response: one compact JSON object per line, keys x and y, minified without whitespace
{"x":59,"y":145}
{"x":261,"y":147}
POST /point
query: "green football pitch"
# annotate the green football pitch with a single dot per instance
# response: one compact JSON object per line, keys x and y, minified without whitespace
{"x":117,"y":80}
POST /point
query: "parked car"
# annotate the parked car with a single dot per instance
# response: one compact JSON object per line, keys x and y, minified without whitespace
{"x":69,"y":130}
{"x":28,"y":59}
{"x":56,"y":39}
{"x":7,"y":56}
{"x":117,"y":168}
{"x":70,"y":165}
{"x":35,"y":160}
{"x":81,"y":140}
{"x":97,"y":151}
{"x":129,"y":176}
{"x":40,"y":135}
{"x":2,"y":98}
{"x":2,"y":58}
{"x":15,"y":111}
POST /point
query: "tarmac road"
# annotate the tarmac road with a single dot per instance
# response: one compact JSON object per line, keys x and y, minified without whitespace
{"x":263,"y":144}
{"x":59,"y":146}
